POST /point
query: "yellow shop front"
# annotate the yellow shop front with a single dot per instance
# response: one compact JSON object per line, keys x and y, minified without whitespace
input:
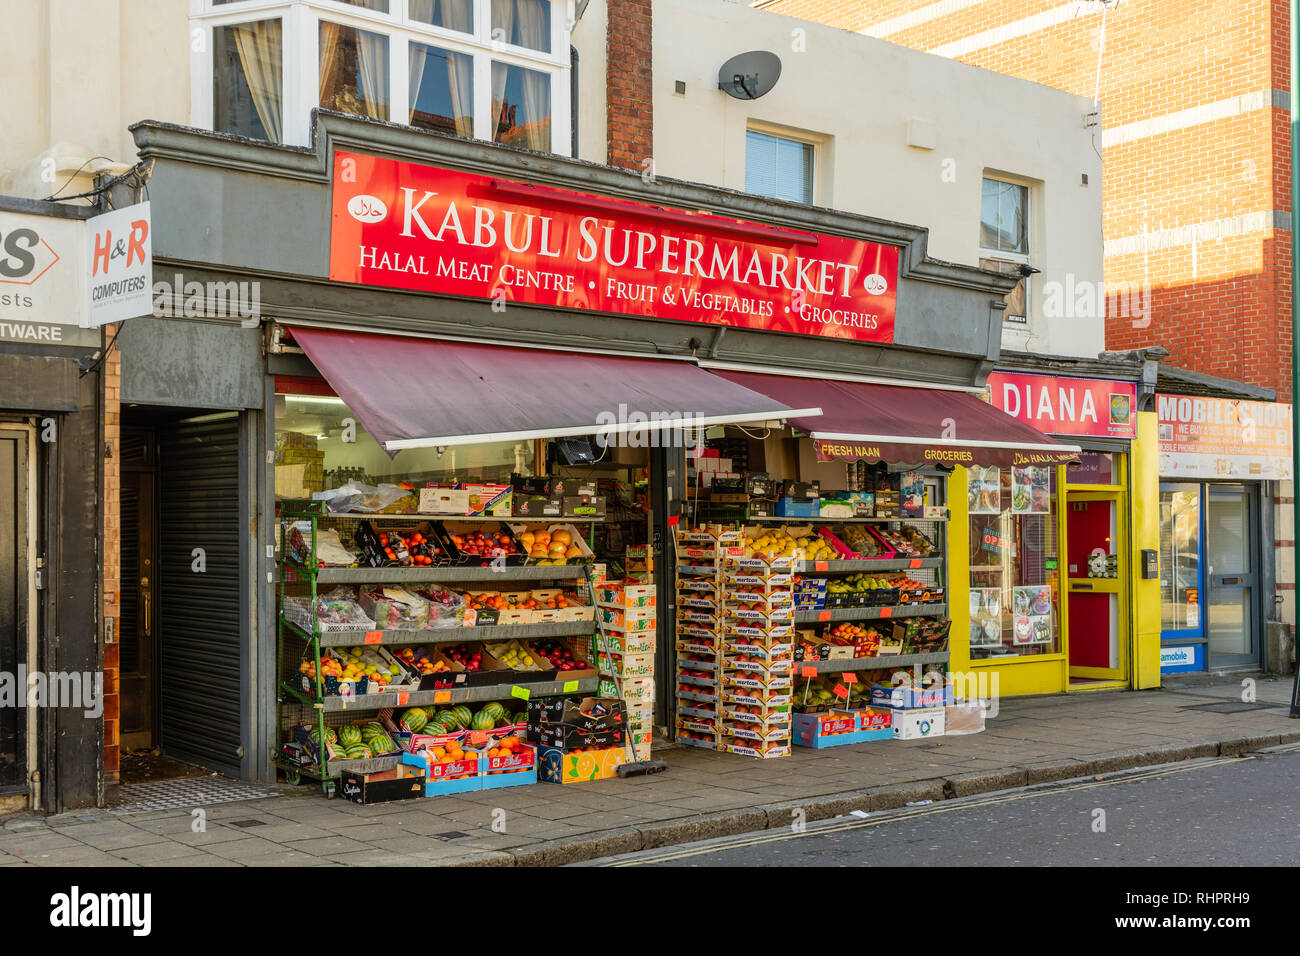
{"x":1060,"y":591}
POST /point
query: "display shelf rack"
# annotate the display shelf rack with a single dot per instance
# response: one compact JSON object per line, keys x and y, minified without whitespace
{"x":822,"y":615}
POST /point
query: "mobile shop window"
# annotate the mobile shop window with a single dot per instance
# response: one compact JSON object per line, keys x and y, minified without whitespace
{"x":320,"y":445}
{"x":1014,"y":566}
{"x":1180,"y":558}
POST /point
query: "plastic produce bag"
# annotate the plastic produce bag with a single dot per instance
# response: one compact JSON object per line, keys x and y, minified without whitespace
{"x":446,"y":608}
{"x":369,"y":499}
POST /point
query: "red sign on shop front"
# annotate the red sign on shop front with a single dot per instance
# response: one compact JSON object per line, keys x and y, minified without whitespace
{"x":1058,"y":405}
{"x":435,"y":230}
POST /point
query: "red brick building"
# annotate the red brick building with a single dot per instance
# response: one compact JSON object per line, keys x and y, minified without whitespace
{"x":1194,"y":134}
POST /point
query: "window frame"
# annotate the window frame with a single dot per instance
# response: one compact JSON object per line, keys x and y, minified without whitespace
{"x":816,"y":143}
{"x":1008,"y":256}
{"x":300,"y":82}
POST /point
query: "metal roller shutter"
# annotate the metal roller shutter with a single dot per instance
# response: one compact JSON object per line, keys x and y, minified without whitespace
{"x":199,"y":626}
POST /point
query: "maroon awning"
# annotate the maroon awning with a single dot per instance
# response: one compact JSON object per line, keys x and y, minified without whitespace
{"x":898,"y":423}
{"x":418,"y":393}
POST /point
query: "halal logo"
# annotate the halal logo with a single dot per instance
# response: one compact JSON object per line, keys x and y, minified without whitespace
{"x":875,"y":284}
{"x":365,"y":208}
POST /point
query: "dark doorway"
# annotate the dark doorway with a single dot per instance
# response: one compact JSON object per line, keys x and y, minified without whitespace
{"x":182,"y":699}
{"x":15,"y":576}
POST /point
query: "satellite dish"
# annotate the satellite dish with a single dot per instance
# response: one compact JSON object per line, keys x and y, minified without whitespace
{"x":749,"y":75}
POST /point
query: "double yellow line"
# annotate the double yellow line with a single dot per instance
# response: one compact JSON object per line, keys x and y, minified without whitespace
{"x":947,"y":806}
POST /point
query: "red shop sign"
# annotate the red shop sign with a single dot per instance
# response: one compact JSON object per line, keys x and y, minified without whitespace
{"x":1067,"y":406}
{"x":407,"y":226}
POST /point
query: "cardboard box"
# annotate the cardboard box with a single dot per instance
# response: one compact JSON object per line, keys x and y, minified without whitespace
{"x":584,"y":506}
{"x":580,"y":714}
{"x":538,"y":506}
{"x":485,"y":501}
{"x":460,"y":776}
{"x":568,"y":737}
{"x":839,"y":727}
{"x":801,"y":490}
{"x":909,"y":697}
{"x":634,"y":688}
{"x":626,"y":665}
{"x":557,"y":766}
{"x":625,"y":594}
{"x":569,"y":487}
{"x":444,"y":501}
{"x":917,"y":723}
{"x":628,"y":619}
{"x":620,"y":642}
{"x":403,"y":782}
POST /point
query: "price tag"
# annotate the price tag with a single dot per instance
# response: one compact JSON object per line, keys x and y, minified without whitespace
{"x":849,"y":678}
{"x":442,"y":697}
{"x":523,"y":693}
{"x":823,"y":615}
{"x":841,"y":691}
{"x":672,"y":521}
{"x":886,"y":612}
{"x":374,"y":637}
{"x":915,"y":563}
{"x":402,"y":698}
{"x":821,"y":565}
{"x":570,"y":686}
{"x":806,"y":671}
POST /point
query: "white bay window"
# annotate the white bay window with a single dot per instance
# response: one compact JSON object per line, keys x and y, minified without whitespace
{"x":495,"y":70}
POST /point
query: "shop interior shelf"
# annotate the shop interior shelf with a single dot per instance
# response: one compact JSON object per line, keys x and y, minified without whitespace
{"x":455,"y":635}
{"x":812,"y":616}
{"x":566,"y":572}
{"x":458,"y":695}
{"x":844,"y":520}
{"x":866,"y":564}
{"x":854,"y":664}
{"x":513,"y":519}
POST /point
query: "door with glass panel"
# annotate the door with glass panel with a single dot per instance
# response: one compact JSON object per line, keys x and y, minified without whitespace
{"x":1232,"y":576}
{"x":1096,"y":573}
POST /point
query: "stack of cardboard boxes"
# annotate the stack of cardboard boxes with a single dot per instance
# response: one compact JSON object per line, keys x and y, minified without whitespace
{"x":625,"y":653}
{"x":299,"y":466}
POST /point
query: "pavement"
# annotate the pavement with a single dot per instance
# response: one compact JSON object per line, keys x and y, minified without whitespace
{"x":702,"y":795}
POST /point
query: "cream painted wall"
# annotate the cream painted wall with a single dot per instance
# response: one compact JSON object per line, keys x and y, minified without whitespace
{"x":588,"y":38}
{"x":854,"y":96}
{"x":79,"y":72}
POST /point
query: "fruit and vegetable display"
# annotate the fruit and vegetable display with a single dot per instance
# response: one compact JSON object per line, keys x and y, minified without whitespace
{"x":560,"y":655}
{"x":514,"y":655}
{"x":859,"y":540}
{"x":550,"y":547}
{"x":451,"y":720}
{"x":354,"y":666}
{"x":907,"y":541}
{"x":469,"y":655}
{"x":422,"y":659}
{"x":484,"y":544}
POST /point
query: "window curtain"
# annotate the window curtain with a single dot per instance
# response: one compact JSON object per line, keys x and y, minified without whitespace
{"x":452,"y":14}
{"x":460,"y":68}
{"x":503,"y":18}
{"x":419,"y":53}
{"x":533,"y":24}
{"x":259,"y":54}
{"x":372,"y":73}
{"x":329,"y":57}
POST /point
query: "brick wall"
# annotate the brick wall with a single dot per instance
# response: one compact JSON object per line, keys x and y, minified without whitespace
{"x":112,"y":566}
{"x":628,"y":84}
{"x":1202,"y":190}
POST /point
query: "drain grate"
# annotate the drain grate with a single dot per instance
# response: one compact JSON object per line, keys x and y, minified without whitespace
{"x":1229,"y":707}
{"x":185,"y":793}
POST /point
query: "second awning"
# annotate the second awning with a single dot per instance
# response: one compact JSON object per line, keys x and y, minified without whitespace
{"x":420,"y":393}
{"x":898,"y":423}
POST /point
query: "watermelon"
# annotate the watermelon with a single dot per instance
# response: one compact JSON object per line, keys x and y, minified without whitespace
{"x":447,"y":718}
{"x":435,"y":729}
{"x":349,"y":735}
{"x":484,"y":720}
{"x":415,"y":718}
{"x":497,"y":710}
{"x":315,"y":735}
{"x":359,"y":752}
{"x":463,"y":715}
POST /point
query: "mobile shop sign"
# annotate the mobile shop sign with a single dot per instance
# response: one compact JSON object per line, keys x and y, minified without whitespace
{"x":1067,"y":406}
{"x":41,"y":297}
{"x":119,"y":266}
{"x":1223,"y":438}
{"x":407,"y":226}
